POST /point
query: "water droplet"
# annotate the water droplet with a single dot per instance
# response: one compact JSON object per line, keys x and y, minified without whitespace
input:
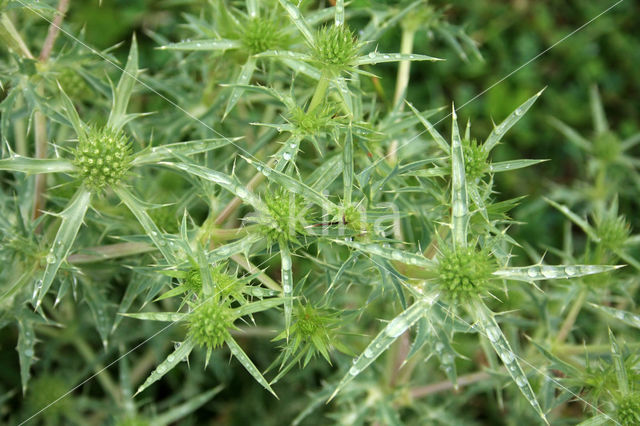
{"x":533,"y":272}
{"x":368,"y":353}
{"x":386,"y":56}
{"x":39,"y":284}
{"x":354,"y":371}
{"x":396,"y":255}
{"x":549,"y":273}
{"x":439,"y":347}
{"x":493,"y":334}
{"x":521,"y":381}
{"x":51,"y":258}
{"x":570,"y":270}
{"x":170,"y":358}
{"x":519,"y":111}
{"x":286,"y":156}
{"x":396,"y":327}
{"x":507,"y":357}
{"x":372,"y":55}
{"x":161,"y":369}
{"x":287,"y":288}
{"x":28,"y":352}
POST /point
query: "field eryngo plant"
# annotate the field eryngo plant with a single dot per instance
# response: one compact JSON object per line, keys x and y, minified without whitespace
{"x":259,"y":198}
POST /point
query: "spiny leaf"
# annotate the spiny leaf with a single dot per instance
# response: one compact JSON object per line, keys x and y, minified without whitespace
{"x":386,"y":337}
{"x":226,"y":251}
{"x":157,"y":316}
{"x":498,"y":131}
{"x":548,"y":272}
{"x":376,"y":57}
{"x":626,"y":317}
{"x":246,"y":72}
{"x":151,"y":229}
{"x":583,"y":224}
{"x":259,"y":306}
{"x":347,"y":167}
{"x":287,"y":282}
{"x":459,"y":196}
{"x":72,"y":218}
{"x":206,"y":44}
{"x":71,"y":114}
{"x":165,"y":152}
{"x":437,"y":137}
{"x":242,"y":357}
{"x":504,"y":166}
{"x":618,"y":362}
{"x":298,"y":20}
{"x":26,"y":350}
{"x":230,"y":183}
{"x":389,"y":253}
{"x":180,"y":353}
{"x":122,"y":94}
{"x":489,"y":327}
{"x":33,"y":166}
{"x":179,"y":412}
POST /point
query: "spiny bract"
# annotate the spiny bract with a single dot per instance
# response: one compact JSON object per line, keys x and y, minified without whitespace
{"x":102,"y":157}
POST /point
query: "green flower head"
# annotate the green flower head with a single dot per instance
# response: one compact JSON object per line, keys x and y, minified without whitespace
{"x":475,"y":159}
{"x":335,"y":48}
{"x":465,"y":272}
{"x":102,"y":157}
{"x":261,"y":34}
{"x":628,"y":410}
{"x":209,"y":324}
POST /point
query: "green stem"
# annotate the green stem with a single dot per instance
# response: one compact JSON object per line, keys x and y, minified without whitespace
{"x":319,"y":94}
{"x":402,"y":80}
{"x":568,"y":323}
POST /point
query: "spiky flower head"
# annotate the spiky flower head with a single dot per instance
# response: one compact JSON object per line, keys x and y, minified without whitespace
{"x":465,"y":272}
{"x":613,"y":231}
{"x":102,"y":157}
{"x":335,"y":48}
{"x":73,"y":84}
{"x":260,"y":35}
{"x":628,"y":410}
{"x":193,"y":280}
{"x":284,"y":215}
{"x":209,"y":324}
{"x":475,"y":159}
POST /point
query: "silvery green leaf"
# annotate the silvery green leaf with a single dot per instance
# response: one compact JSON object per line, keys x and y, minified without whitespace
{"x":207,"y":45}
{"x":597,"y":420}
{"x":230,"y":183}
{"x":180,"y":353}
{"x":165,"y":152}
{"x":293,"y":185}
{"x":437,"y":137}
{"x":489,"y":328}
{"x":157,"y":316}
{"x":285,"y":54}
{"x":287,"y":282}
{"x":339,"y":13}
{"x":548,"y":272}
{"x":298,"y":20}
{"x":246,"y":72}
{"x":32,"y":166}
{"x":99,"y":306}
{"x":26,"y":350}
{"x":386,"y":337}
{"x":389,"y":253}
{"x":503,"y":166}
{"x":70,"y":112}
{"x":122,"y":93}
{"x":597,"y":111}
{"x":583,"y":224}
{"x":224,"y":252}
{"x":72,"y":217}
{"x":347,"y":168}
{"x":242,"y":357}
{"x":626,"y":317}
{"x":498,"y":131}
{"x":459,"y":196}
{"x":376,"y":57}
{"x":151,"y":229}
{"x":258,"y":306}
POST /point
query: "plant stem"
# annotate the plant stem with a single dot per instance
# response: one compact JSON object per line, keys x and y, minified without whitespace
{"x":39,"y":118}
{"x":422,"y":391}
{"x":319,"y":94}
{"x":402,"y":81}
{"x":102,"y":375}
{"x":568,"y":323}
{"x":54,"y":30}
{"x":235,"y":203}
{"x":253,"y":269}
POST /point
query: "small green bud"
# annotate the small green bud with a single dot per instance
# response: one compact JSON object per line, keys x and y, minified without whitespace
{"x":310,"y":122}
{"x":475,"y":159}
{"x":336,"y":48}
{"x":464,"y":272}
{"x":73,"y":84}
{"x":261,"y":35}
{"x":102,"y":157}
{"x":284,"y":211}
{"x":209,"y":324}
